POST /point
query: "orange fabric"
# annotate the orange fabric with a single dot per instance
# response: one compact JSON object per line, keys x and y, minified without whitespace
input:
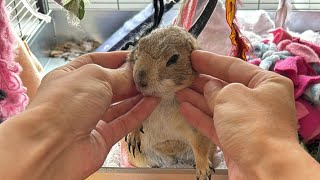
{"x":240,"y":46}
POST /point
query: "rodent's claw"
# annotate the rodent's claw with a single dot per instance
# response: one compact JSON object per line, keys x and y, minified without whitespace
{"x":204,"y":171}
{"x":133,"y":140}
{"x":141,"y":129}
{"x":129,"y":145}
{"x":212,"y":168}
{"x":133,"y":150}
{"x":139,"y":146}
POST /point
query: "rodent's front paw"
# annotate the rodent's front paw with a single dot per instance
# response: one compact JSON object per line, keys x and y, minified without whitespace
{"x":133,"y":140}
{"x":203,"y":171}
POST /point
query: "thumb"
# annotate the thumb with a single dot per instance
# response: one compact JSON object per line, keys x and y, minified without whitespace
{"x":211,"y":90}
{"x":122,"y":83}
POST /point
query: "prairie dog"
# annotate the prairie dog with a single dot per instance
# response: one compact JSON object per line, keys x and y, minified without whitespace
{"x":161,"y":66}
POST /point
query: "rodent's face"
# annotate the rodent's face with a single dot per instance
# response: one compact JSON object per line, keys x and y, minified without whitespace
{"x":161,"y":61}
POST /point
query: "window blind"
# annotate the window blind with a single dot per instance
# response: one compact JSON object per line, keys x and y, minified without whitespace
{"x":246,"y":4}
{"x":23,"y":22}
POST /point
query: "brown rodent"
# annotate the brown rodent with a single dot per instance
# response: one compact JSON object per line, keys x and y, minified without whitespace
{"x":161,"y":66}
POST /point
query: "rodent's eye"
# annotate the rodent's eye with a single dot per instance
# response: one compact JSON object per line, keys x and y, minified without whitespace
{"x":173,"y":60}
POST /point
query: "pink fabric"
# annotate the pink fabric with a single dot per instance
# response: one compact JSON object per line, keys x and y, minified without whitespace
{"x":280,"y":34}
{"x":10,"y":82}
{"x":301,"y":110}
{"x":283,"y":44}
{"x":298,"y":47}
{"x":188,"y":13}
{"x":315,"y":47}
{"x":304,"y":51}
{"x":310,"y":124}
{"x":255,"y":62}
{"x":299,"y":72}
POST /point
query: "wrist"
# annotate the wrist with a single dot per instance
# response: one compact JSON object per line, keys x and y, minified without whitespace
{"x":284,"y":160}
{"x":28,"y":143}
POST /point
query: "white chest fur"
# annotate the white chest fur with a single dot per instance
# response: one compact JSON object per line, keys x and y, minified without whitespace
{"x":165,"y":125}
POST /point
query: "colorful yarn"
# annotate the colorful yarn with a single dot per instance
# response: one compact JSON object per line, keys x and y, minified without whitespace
{"x":270,"y":57}
{"x":10,"y":83}
{"x":299,"y":61}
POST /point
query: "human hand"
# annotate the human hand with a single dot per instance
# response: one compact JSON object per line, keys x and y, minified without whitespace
{"x":246,"y":111}
{"x":77,"y":125}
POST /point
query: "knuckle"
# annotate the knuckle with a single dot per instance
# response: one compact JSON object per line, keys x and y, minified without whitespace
{"x":95,"y":71}
{"x":230,"y":91}
{"x":47,"y":77}
{"x":287,"y":82}
{"x":92,"y":68}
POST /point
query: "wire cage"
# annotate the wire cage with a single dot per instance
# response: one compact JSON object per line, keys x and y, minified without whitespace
{"x":23,"y":19}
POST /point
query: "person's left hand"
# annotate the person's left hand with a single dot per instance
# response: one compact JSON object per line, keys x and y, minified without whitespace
{"x":75,"y":103}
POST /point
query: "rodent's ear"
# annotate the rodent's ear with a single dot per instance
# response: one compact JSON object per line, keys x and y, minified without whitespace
{"x":192,"y":44}
{"x":132,"y":56}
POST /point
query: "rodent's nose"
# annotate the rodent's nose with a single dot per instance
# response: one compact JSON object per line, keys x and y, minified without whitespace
{"x":142,"y":74}
{"x":142,"y":82}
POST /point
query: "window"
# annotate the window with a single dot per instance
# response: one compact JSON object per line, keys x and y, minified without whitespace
{"x":273,"y":4}
{"x":247,"y":4}
{"x":112,"y":4}
{"x":23,"y":21}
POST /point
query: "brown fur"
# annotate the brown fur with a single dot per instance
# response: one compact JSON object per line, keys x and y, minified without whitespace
{"x":167,"y":136}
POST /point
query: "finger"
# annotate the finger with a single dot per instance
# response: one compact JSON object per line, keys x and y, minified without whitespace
{"x":112,"y":132}
{"x":130,"y":93}
{"x":211,"y":91}
{"x":195,"y":98}
{"x":120,"y":80}
{"x":228,"y":69}
{"x":110,"y":60}
{"x":200,"y":121}
{"x":201,"y":80}
{"x":121,"y":108}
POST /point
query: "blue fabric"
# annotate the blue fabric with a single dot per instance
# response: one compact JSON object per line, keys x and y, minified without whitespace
{"x":313,"y":93}
{"x":124,"y":31}
{"x":133,"y":27}
{"x":269,"y":54}
{"x":316,"y":67}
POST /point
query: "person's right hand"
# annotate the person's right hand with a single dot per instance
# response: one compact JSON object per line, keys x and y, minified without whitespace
{"x":248,"y":112}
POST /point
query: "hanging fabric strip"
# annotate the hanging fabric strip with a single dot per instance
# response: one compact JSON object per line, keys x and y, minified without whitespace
{"x":281,"y":13}
{"x":41,"y":16}
{"x":145,"y":27}
{"x":240,"y":45}
{"x":201,"y":22}
{"x":188,"y":13}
